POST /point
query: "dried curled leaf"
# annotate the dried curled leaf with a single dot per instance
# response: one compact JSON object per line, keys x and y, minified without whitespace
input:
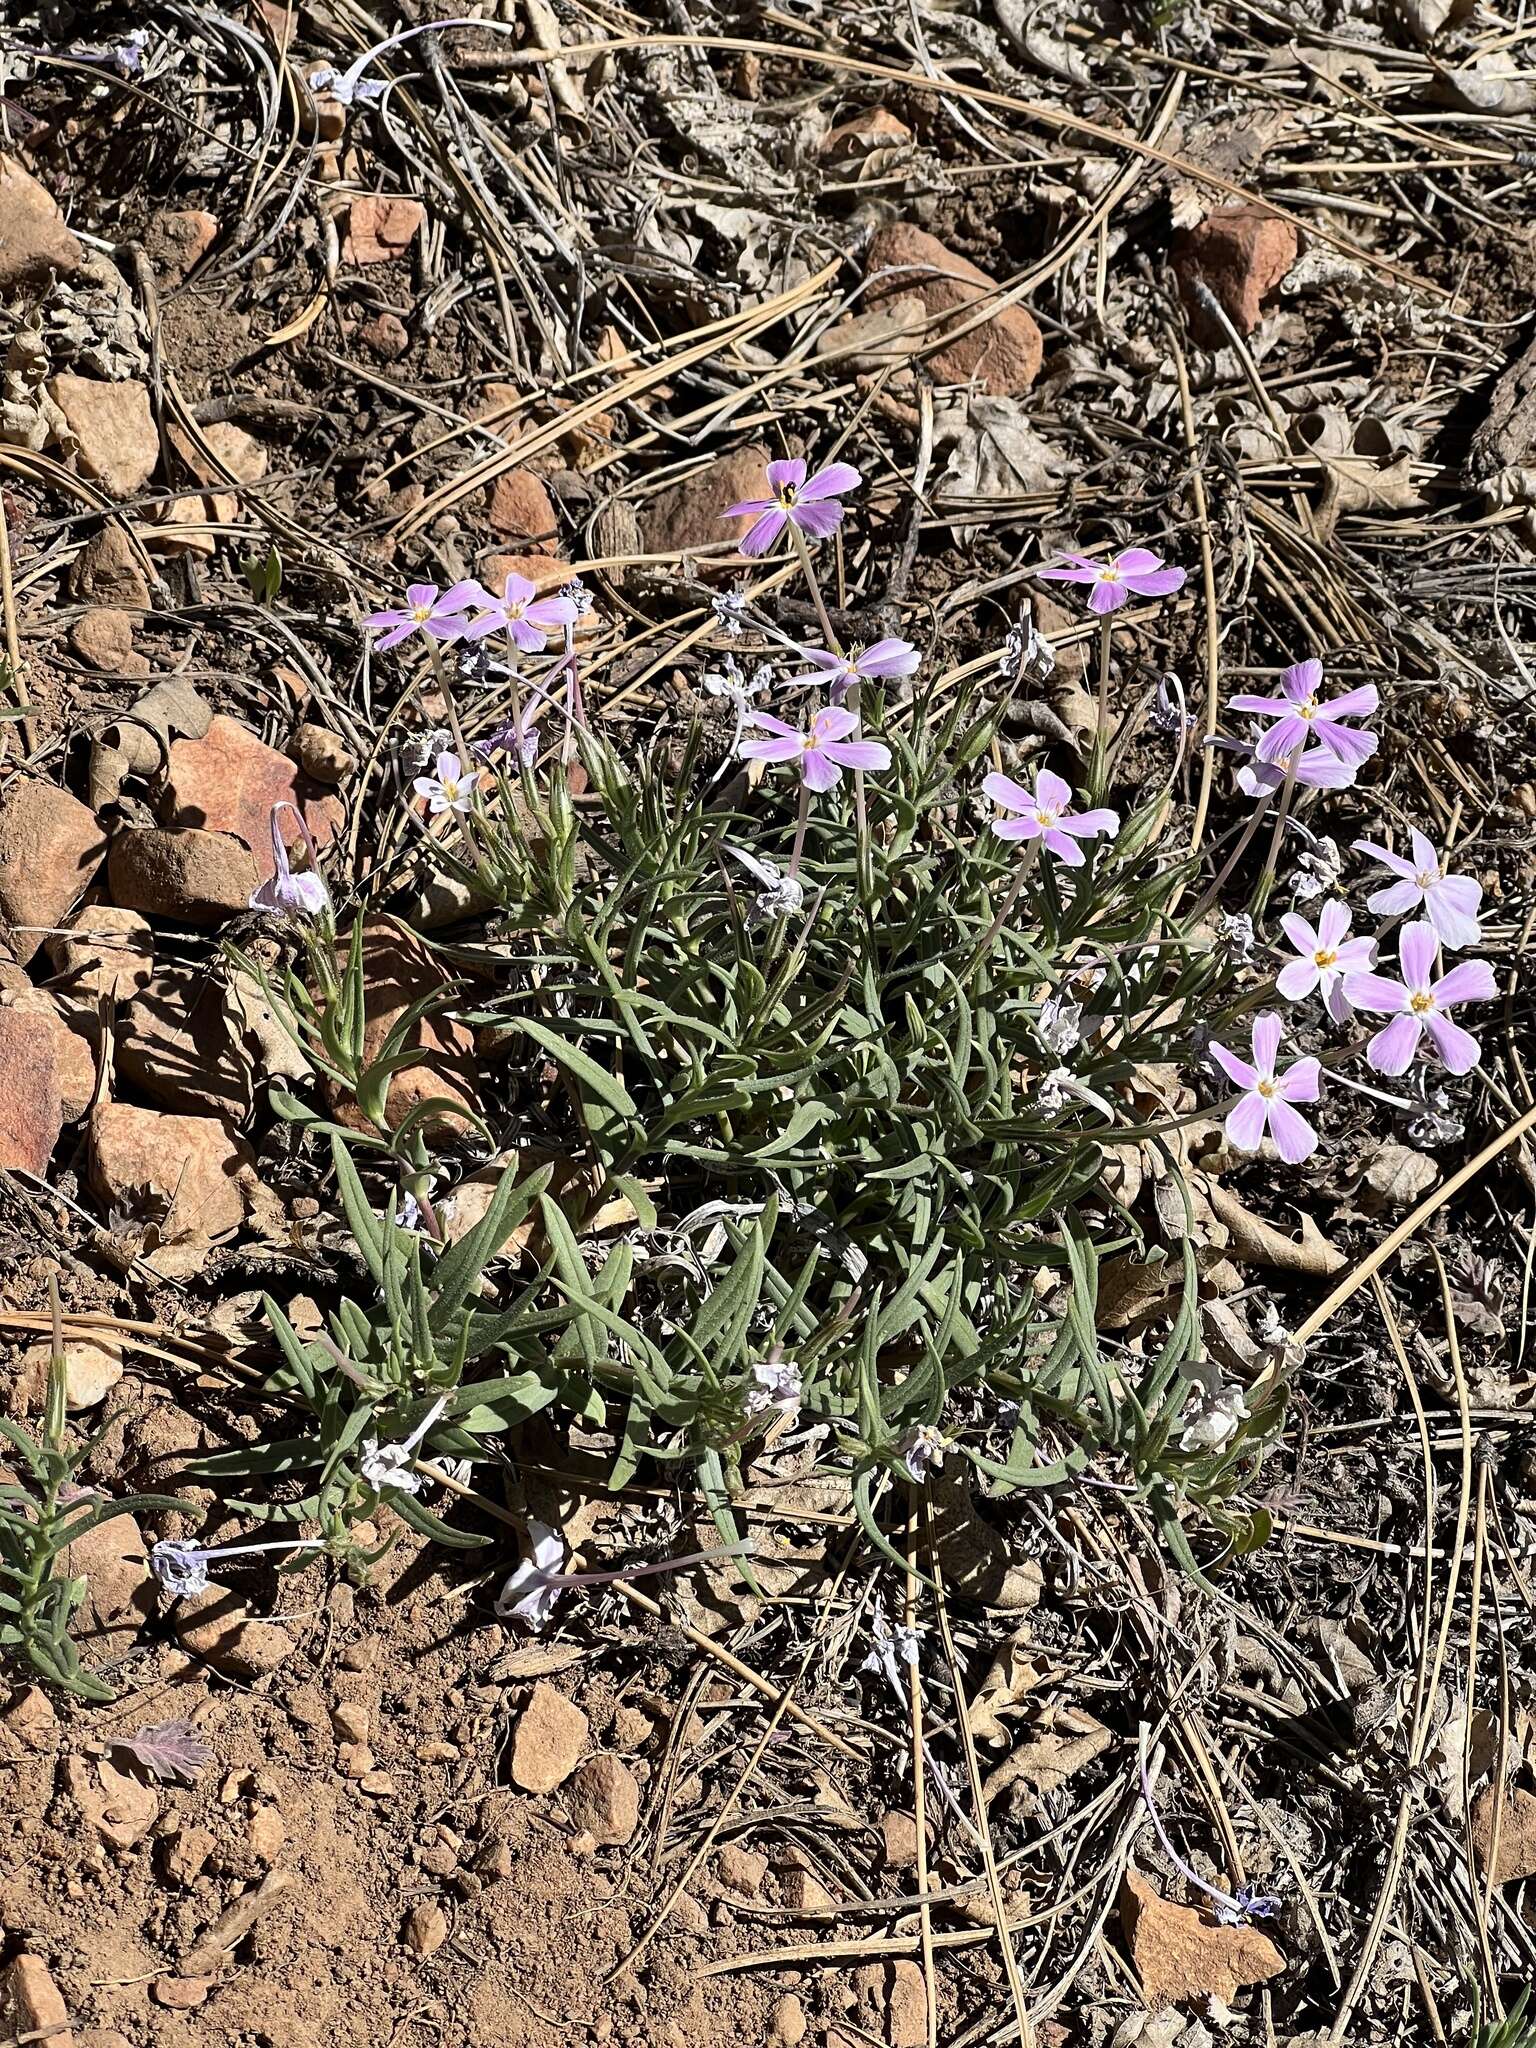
{"x":139,"y":742}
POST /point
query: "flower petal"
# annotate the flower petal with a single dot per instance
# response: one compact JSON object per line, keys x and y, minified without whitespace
{"x":749,"y":508}
{"x":1302,"y":679}
{"x":786,"y":470}
{"x":1388,"y":859}
{"x":1300,"y":933}
{"x":1155,"y":582}
{"x":1283,"y":739}
{"x":1066,"y":850}
{"x":788,"y":749}
{"x":1391,"y":1051}
{"x":1469,"y":982}
{"x":835,"y":723}
{"x":1261,"y":707}
{"x":1294,"y":1137}
{"x":1052,"y":792}
{"x":1107,"y":597}
{"x":832,"y":481}
{"x":1361,"y":703}
{"x":1416,"y":950}
{"x":1236,"y":1070}
{"x":1091,"y":824}
{"x":866,"y":754}
{"x":1297,"y":981}
{"x":818,"y":520}
{"x":1016,"y":828}
{"x":1245,"y":1123}
{"x":1137,"y":561}
{"x":889,"y":658}
{"x":821,"y":772}
{"x":1354,"y":747}
{"x":1376,"y":993}
{"x":1457,"y":1048}
{"x":1268,"y":1030}
{"x":1002,"y":789}
{"x":1301,"y":1081}
{"x":764,"y":531}
{"x":1396,"y":901}
{"x":1451,"y":904}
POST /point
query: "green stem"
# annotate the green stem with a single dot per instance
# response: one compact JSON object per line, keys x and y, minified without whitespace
{"x":1026,"y":867}
{"x":1100,"y":760}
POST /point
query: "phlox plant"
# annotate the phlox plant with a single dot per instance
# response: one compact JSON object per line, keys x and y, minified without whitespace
{"x":824,"y":1013}
{"x":43,"y":1511}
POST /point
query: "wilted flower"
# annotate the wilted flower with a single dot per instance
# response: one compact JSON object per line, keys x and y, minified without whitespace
{"x":1133,"y":572}
{"x":821,"y":751}
{"x":1027,"y":655}
{"x":301,"y":895}
{"x":419,"y":750}
{"x":1326,"y":956}
{"x":776,"y":1386}
{"x":388,"y":1466}
{"x":923,"y":1450}
{"x":729,"y":608}
{"x":1235,"y":930}
{"x":344,"y":88}
{"x":839,"y":672}
{"x":1217,"y":1416}
{"x":1417,"y":1004}
{"x":1046,"y":815}
{"x":450,"y":789}
{"x":529,"y":1593}
{"x":1168,"y":712}
{"x":522,"y":614}
{"x":1059,"y":1026}
{"x":781,"y":895}
{"x":1300,"y":715}
{"x":1267,"y":1096}
{"x":1317,"y":868}
{"x":809,"y":504}
{"x":516,"y":735}
{"x":182,"y":1567}
{"x":439,"y":614}
{"x":731,"y":681}
{"x":1450,"y":902}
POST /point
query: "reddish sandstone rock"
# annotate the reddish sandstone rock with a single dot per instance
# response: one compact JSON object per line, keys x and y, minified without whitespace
{"x":108,"y":571}
{"x":691,"y":513}
{"x":520,"y":505}
{"x":34,"y":241}
{"x":191,"y":1162}
{"x":113,"y":427}
{"x":544,"y":572}
{"x":1240,"y":253}
{"x":380,"y":226}
{"x":31,"y":1108}
{"x":103,"y":639}
{"x":604,"y":1800}
{"x":1001,"y":355}
{"x":547,"y":1743}
{"x":175,"y":241}
{"x":229,"y":780}
{"x":1179,"y":1956}
{"x":195,"y":877}
{"x":50,"y":846}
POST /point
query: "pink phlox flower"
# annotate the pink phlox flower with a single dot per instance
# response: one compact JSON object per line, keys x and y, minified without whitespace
{"x":1417,"y":1004}
{"x":1047,"y":815}
{"x":1315,"y":768}
{"x":1326,"y":956}
{"x":450,"y":789}
{"x":1450,"y":902}
{"x":808,"y":503}
{"x":822,"y":750}
{"x":839,"y":672}
{"x":1133,"y":572}
{"x":1265,"y":1103}
{"x":300,"y":895}
{"x":522,"y":613}
{"x":439,"y":614}
{"x":1300,"y":715}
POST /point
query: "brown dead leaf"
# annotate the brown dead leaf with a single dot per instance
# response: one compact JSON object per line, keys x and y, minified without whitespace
{"x":1014,"y":1674}
{"x":1180,"y":1956}
{"x":1263,"y":1244}
{"x":1367,"y":465}
{"x":1397,"y":1175}
{"x":1051,"y":1756}
{"x":1490,"y":86}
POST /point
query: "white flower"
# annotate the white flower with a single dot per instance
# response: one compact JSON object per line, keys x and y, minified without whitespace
{"x":529,"y":1593}
{"x":386,"y":1465}
{"x":1059,"y":1027}
{"x":923,"y":1450}
{"x":181,"y":1568}
{"x":780,"y":896}
{"x":345,"y":87}
{"x":450,"y":789}
{"x":1215,"y":1419}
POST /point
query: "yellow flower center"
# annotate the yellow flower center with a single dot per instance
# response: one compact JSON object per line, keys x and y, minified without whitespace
{"x":450,"y":789}
{"x":1325,"y":956}
{"x":1426,"y":878}
{"x":1421,"y":1002}
{"x":787,"y":494}
{"x":1047,"y":818}
{"x":1307,"y":708}
{"x":419,"y":612}
{"x":1266,"y":1087}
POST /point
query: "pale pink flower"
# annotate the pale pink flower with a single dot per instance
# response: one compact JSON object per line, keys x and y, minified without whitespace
{"x":439,"y":614}
{"x":450,"y":789}
{"x":1267,"y":1096}
{"x":1301,"y":715}
{"x":1449,"y":901}
{"x":808,"y":503}
{"x":822,"y":750}
{"x":839,"y":672}
{"x":1133,"y":572}
{"x":522,"y":613}
{"x":1326,"y":955}
{"x":1047,"y":816}
{"x":1417,"y":1004}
